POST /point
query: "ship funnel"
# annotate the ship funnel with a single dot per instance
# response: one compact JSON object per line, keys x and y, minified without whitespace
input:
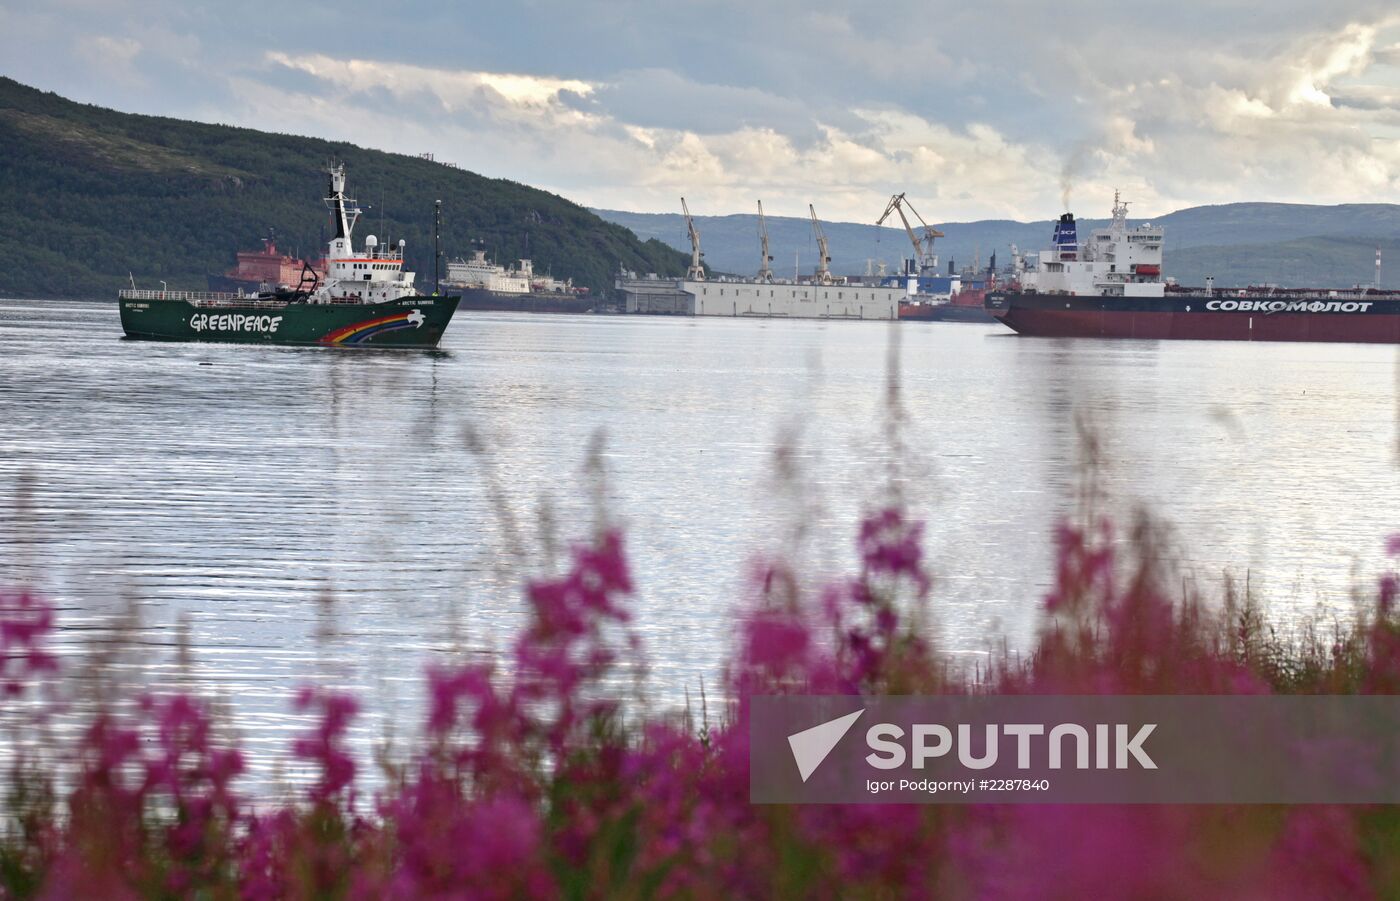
{"x":1066,"y":240}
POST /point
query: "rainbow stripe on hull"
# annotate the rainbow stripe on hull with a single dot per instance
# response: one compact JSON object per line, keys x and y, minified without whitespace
{"x":361,"y":332}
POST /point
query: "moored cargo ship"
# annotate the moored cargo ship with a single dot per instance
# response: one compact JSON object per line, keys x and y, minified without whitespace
{"x":965,"y":305}
{"x":366,"y":299}
{"x":1110,"y":287}
{"x":485,"y":286}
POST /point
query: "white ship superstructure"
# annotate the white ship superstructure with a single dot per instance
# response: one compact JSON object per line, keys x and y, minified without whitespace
{"x":373,"y":275}
{"x":1116,"y":261}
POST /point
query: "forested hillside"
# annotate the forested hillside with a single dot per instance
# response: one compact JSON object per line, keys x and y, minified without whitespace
{"x":89,"y":194}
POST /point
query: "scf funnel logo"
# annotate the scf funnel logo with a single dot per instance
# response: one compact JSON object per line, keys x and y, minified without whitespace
{"x":811,"y":746}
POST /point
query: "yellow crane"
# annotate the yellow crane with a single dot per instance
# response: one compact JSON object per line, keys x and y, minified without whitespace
{"x":765,"y":272}
{"x":823,"y":274}
{"x":696,"y":272}
{"x":923,"y":246}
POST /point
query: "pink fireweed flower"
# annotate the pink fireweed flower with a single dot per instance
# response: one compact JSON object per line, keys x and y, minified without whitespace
{"x":566,"y":644}
{"x":325,"y":746}
{"x":1389,"y":585}
{"x":1083,"y":567}
{"x":892,"y":545}
{"x":185,"y":764}
{"x":775,"y":642}
{"x":25,"y":622}
{"x":447,"y":689}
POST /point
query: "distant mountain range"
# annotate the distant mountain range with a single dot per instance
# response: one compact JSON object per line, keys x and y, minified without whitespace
{"x":88,"y":195}
{"x":1238,"y":243}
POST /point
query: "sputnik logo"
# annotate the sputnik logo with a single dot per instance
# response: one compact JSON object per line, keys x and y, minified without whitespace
{"x":811,"y":746}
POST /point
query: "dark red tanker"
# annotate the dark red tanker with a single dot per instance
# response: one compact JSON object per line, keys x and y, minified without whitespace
{"x":1359,"y":315}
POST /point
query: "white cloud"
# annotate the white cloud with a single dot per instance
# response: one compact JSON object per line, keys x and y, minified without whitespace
{"x":507,"y":96}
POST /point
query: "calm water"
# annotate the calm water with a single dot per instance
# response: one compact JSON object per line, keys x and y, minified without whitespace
{"x":307,"y":513}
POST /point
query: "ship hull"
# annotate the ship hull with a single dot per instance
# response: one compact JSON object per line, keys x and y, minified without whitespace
{"x":483,"y":300}
{"x":405,"y":322}
{"x":945,"y":312}
{"x":1201,"y":317}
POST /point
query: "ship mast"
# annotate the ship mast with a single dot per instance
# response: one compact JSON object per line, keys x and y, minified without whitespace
{"x":346,"y":211}
{"x":765,"y":272}
{"x":923,"y":247}
{"x":696,"y":272}
{"x":823,"y":274}
{"x":1120,"y":212}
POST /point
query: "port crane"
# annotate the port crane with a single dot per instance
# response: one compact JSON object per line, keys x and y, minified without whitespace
{"x":765,"y":271}
{"x":923,"y":246}
{"x":823,"y":274}
{"x":696,"y":272}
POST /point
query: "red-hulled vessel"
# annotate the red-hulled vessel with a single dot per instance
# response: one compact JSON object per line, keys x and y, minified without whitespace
{"x":1110,"y":287}
{"x":266,"y":270}
{"x":968,"y":305}
{"x":1255,"y":314}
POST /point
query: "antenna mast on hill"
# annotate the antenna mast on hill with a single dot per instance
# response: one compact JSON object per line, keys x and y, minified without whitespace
{"x":765,"y":272}
{"x":696,"y":272}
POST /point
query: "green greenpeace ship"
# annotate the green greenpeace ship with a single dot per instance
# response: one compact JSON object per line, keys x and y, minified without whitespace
{"x":366,"y":300}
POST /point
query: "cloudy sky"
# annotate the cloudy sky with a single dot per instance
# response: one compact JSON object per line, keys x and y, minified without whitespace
{"x":992,"y":109}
